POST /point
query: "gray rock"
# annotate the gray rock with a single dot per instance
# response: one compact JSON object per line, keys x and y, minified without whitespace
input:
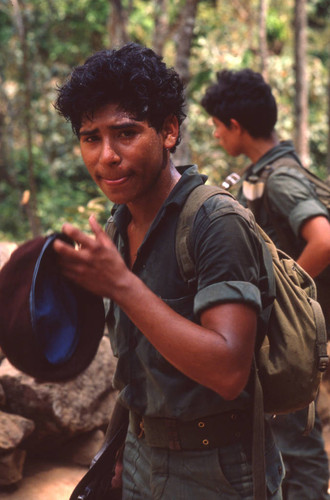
{"x":11,"y":467}
{"x":13,"y":430}
{"x":6,"y":249}
{"x":62,"y":410}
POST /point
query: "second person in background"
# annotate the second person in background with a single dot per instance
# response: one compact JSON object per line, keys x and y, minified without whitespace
{"x":285,"y":204}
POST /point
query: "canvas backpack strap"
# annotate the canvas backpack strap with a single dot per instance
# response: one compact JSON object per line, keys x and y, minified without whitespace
{"x":288,"y":161}
{"x":193,"y":203}
{"x":321,"y":343}
{"x":258,"y":440}
{"x":183,"y":242}
{"x":262,"y":177}
{"x":322,"y":187}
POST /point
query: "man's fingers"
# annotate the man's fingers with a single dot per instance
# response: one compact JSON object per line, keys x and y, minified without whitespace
{"x":96,"y":228}
{"x":77,"y":235}
{"x":99,"y":232}
{"x":64,"y":248}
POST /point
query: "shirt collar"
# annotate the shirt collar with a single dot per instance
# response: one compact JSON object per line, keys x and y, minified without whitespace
{"x":281,"y":149}
{"x":190,"y":178}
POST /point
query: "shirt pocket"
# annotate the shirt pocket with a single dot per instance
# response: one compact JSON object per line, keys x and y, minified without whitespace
{"x":183,"y":306}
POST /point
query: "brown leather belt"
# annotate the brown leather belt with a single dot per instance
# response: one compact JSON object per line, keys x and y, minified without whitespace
{"x":212,"y":431}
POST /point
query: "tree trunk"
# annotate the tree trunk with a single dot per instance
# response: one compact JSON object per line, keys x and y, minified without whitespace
{"x":263,"y":38}
{"x":301,"y":97}
{"x":183,"y":41}
{"x":117,"y":23}
{"x":27,"y":84}
{"x":6,"y":174}
{"x":162,"y":27}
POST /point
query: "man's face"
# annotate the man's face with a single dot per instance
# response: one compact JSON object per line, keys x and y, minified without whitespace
{"x":229,"y":137}
{"x":125,"y":157}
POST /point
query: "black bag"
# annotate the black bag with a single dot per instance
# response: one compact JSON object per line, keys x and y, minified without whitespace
{"x":96,"y":483}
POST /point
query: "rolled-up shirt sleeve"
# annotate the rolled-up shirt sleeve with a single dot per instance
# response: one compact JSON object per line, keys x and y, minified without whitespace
{"x":293,"y":197}
{"x":227,"y":291}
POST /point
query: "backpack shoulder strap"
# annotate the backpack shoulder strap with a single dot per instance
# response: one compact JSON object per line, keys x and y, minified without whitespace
{"x":285,"y":240}
{"x":185,"y":224}
{"x":293,"y":161}
{"x":193,"y":203}
{"x":283,"y":161}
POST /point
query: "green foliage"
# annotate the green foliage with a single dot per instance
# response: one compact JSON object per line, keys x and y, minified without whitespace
{"x":277,"y":31}
{"x":63,"y":33}
{"x":5,"y":28}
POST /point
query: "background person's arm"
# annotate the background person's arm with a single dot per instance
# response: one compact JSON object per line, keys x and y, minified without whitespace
{"x":316,"y":255}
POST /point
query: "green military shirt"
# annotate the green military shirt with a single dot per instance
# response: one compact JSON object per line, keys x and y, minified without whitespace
{"x":292,"y":198}
{"x":229,"y":268}
{"x":292,"y":201}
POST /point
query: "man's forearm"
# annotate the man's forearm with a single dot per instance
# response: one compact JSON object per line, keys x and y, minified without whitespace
{"x":216,"y":358}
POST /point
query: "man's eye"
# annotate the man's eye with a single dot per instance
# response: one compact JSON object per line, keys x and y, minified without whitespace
{"x":127,"y":134}
{"x":90,"y":138}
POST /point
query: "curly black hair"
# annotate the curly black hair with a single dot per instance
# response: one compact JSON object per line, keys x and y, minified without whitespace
{"x":244,"y":96}
{"x":134,"y":77}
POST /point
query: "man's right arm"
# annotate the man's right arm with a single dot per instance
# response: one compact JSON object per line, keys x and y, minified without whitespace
{"x":217,"y":353}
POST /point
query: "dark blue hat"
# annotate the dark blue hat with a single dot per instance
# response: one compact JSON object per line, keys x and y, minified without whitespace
{"x":50,"y":328}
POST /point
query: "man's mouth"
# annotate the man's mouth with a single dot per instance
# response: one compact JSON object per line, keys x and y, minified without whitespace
{"x":114,"y":182}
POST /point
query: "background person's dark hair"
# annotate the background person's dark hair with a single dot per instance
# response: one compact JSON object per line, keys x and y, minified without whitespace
{"x":244,"y":96}
{"x":134,"y":77}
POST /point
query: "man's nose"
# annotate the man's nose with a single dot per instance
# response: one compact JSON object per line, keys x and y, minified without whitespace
{"x":109,"y":154}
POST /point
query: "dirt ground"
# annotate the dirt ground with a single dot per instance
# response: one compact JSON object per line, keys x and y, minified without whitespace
{"x":45,"y":480}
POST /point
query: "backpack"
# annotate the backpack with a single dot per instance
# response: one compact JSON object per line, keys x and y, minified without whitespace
{"x":293,"y":354}
{"x":257,"y":184}
{"x":322,"y":188}
{"x":288,"y":158}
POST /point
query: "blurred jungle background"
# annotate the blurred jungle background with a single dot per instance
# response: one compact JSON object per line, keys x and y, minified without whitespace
{"x":43,"y":181}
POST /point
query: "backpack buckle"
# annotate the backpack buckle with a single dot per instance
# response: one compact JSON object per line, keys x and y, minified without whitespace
{"x":323,"y":363}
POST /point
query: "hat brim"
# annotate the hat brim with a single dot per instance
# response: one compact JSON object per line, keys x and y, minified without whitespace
{"x":50,"y":328}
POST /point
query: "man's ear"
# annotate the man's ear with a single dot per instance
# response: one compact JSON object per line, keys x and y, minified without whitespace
{"x":170,"y":131}
{"x":236,"y":126}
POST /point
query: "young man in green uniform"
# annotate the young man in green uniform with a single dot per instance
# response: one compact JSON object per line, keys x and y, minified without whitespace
{"x":285,"y":204}
{"x":184,"y":350}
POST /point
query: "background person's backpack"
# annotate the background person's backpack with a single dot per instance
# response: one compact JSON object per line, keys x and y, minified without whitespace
{"x":322,"y":188}
{"x":258,"y":183}
{"x":293,"y":353}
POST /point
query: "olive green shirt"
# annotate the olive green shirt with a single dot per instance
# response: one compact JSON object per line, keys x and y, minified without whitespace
{"x":229,"y":268}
